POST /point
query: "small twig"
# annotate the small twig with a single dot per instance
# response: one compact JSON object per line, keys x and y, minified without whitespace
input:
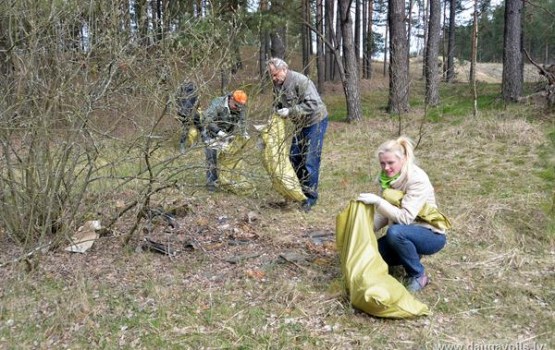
{"x":26,"y":255}
{"x":306,"y":269}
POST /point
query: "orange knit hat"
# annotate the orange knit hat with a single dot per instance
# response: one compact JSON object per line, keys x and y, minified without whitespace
{"x":239,"y":96}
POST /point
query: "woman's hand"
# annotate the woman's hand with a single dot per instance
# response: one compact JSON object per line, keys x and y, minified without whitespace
{"x":369,"y":198}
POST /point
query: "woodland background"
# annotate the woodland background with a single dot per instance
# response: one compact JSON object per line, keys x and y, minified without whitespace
{"x":88,"y":132}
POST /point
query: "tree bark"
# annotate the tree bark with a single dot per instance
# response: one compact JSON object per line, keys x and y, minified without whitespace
{"x":330,"y":60}
{"x":398,"y":68}
{"x":367,"y":39}
{"x":385,"y":49}
{"x":451,"y":43}
{"x":264,"y":51}
{"x":338,"y":40}
{"x":473,"y":58}
{"x":409,"y":32}
{"x":513,"y":77}
{"x":432,"y":51}
{"x":425,"y":17}
{"x":277,"y":44}
{"x":320,"y":53}
{"x":350,"y":80}
{"x":358,"y":16}
{"x":305,"y":37}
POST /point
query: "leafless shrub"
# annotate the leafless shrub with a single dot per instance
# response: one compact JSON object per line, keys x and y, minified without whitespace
{"x":85,"y":115}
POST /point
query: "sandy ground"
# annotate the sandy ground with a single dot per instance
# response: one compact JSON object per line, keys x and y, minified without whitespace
{"x":493,"y":73}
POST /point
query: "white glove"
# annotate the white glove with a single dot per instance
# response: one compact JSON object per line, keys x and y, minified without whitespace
{"x":369,"y":198}
{"x":208,"y":141}
{"x":222,"y":134}
{"x":283,"y":112}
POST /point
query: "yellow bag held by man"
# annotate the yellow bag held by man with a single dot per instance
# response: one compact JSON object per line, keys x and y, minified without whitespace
{"x":275,"y":157}
{"x":231,"y":168}
{"x":367,"y":282}
{"x":428,"y":214}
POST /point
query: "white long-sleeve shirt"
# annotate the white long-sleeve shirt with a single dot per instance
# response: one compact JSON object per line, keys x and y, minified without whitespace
{"x":417,"y":190}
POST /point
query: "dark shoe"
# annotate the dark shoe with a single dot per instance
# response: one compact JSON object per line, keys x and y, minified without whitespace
{"x":416,"y":284}
{"x":211,"y":188}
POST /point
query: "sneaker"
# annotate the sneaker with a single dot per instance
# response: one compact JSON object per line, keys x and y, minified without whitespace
{"x":416,"y":284}
{"x":211,"y":188}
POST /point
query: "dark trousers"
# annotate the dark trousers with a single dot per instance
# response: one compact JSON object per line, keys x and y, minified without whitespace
{"x":212,"y":166}
{"x":305,"y":156}
{"x":403,"y":245}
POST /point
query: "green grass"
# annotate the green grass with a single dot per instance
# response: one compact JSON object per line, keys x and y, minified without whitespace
{"x":492,"y":284}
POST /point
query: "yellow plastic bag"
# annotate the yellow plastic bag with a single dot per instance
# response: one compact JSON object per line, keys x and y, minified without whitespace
{"x":193,"y":133}
{"x":231,"y":170}
{"x":368,"y":284}
{"x":192,"y":136}
{"x":427,"y":214}
{"x":275,"y":157}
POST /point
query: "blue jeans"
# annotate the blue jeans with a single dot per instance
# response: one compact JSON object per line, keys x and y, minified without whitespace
{"x":305,"y":156}
{"x":403,"y":245}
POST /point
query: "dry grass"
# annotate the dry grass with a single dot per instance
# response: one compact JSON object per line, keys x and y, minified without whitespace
{"x":249,"y":275}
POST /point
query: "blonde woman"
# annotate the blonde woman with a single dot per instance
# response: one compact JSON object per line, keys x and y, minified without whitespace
{"x":408,"y":235}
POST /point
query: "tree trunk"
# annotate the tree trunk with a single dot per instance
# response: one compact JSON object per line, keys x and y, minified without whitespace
{"x":398,"y":69}
{"x":385,"y":49}
{"x":320,"y":54}
{"x":338,"y":40}
{"x":367,"y":18}
{"x":350,"y":79}
{"x":432,"y":51}
{"x":277,"y":45}
{"x":305,"y":37}
{"x":358,"y":16}
{"x":444,"y":36}
{"x":451,"y":43}
{"x":264,"y":50}
{"x":330,"y":59}
{"x":473,"y":58}
{"x":425,"y":16}
{"x":512,"y":80}
{"x":277,"y":35}
{"x":409,"y":32}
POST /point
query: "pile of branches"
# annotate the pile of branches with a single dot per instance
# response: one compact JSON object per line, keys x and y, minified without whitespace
{"x":548,"y":92}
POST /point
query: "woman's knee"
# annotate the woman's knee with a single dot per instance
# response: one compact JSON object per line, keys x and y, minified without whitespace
{"x":395,"y":232}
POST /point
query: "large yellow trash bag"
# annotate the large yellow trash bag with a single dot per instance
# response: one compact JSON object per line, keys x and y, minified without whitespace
{"x":368,"y":284}
{"x":275,"y":157}
{"x":231,"y":170}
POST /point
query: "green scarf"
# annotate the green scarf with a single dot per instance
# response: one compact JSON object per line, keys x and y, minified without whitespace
{"x":385,"y":181}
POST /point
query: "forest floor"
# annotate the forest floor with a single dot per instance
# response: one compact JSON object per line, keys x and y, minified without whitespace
{"x":251,"y":272}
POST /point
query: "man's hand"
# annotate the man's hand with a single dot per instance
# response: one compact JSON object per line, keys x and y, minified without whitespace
{"x":222,"y":134}
{"x":283,"y":112}
{"x":369,"y":198}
